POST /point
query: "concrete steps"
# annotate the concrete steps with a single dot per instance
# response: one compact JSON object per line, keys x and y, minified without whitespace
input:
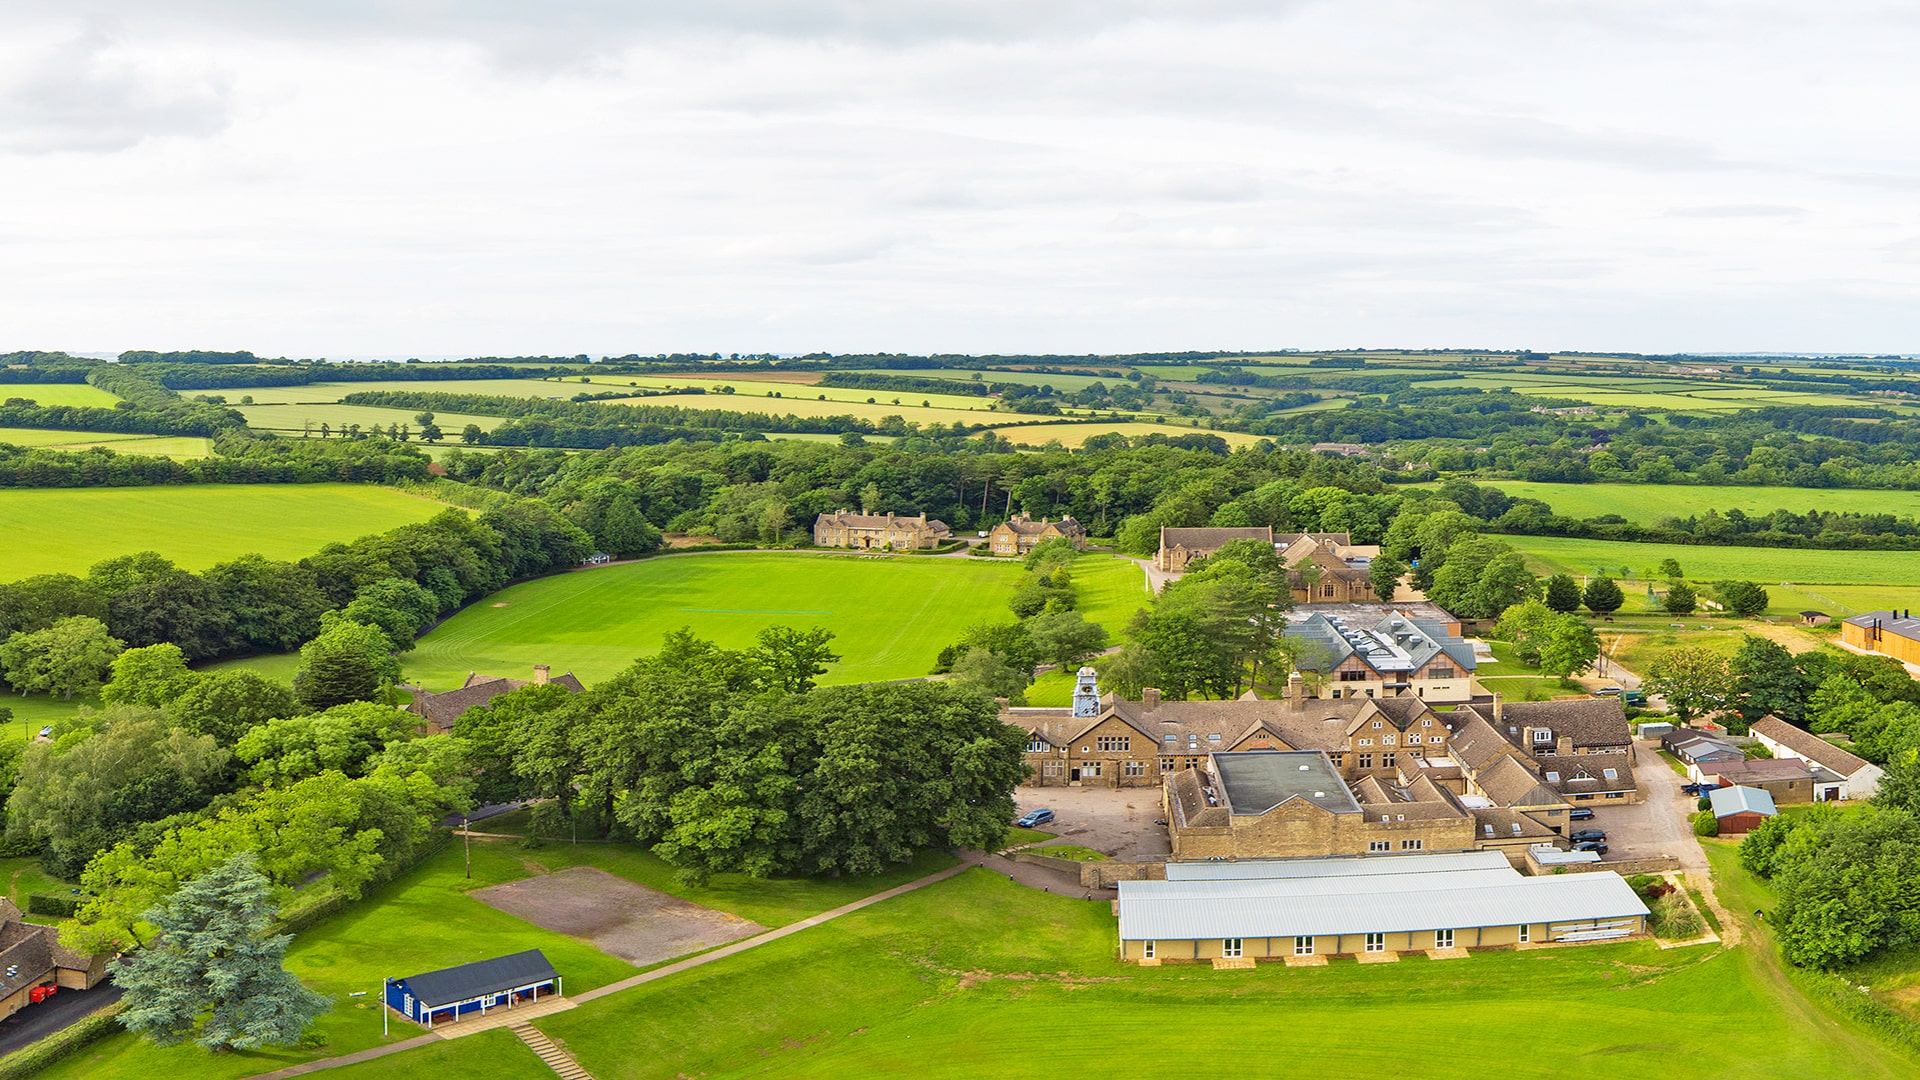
{"x":557,"y":1059}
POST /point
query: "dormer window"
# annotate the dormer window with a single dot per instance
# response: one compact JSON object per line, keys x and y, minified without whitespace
{"x":1542,"y":735}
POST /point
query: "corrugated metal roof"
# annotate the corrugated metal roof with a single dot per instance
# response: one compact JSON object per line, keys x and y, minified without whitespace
{"x":1384,"y":903}
{"x":1358,"y":865}
{"x":1728,"y":801}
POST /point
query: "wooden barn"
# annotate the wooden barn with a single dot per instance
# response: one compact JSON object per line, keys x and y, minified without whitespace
{"x":1740,"y":809}
{"x":450,"y":993}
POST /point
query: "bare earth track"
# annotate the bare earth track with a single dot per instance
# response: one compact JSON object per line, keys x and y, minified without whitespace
{"x":621,"y":918}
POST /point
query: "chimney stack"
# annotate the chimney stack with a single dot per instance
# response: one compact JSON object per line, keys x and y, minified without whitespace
{"x":1499,"y":711}
{"x":1150,"y":698}
{"x":1296,"y":692}
{"x":542,"y":674}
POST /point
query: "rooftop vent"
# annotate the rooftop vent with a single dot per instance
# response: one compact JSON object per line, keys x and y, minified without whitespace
{"x":1304,"y":768}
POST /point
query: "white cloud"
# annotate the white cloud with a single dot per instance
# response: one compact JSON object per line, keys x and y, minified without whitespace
{"x":354,"y":177}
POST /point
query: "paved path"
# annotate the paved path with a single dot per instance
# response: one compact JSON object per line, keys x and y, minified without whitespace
{"x":969,"y":861}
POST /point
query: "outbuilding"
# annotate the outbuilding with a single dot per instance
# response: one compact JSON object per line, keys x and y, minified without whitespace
{"x":450,"y":993}
{"x":1740,"y":809}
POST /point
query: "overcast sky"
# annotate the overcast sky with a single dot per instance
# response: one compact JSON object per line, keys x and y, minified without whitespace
{"x":436,"y":177}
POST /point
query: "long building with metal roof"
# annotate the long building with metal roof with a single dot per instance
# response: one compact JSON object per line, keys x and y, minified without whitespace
{"x":1367,"y":906}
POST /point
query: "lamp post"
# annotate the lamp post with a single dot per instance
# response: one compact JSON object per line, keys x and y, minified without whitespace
{"x":466,"y":836}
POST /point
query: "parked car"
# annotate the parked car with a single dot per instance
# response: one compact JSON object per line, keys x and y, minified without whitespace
{"x":47,"y":732}
{"x":1634,"y":697}
{"x":1587,"y":834}
{"x":1607,"y":691}
{"x":1698,"y":789}
{"x":1580,"y":813}
{"x":1034,"y":817}
{"x":1594,"y":846}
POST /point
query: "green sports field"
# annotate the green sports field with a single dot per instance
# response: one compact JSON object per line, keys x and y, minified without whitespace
{"x":1649,"y":502}
{"x":891,"y":614}
{"x":67,"y":530}
{"x":49,"y":394}
{"x":979,"y":977}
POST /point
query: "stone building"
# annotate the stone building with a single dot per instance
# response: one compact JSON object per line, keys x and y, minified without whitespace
{"x":1178,"y":547}
{"x":1327,"y":568}
{"x":32,"y":960}
{"x":873,"y":532}
{"x":438,"y":711}
{"x":1019,"y":534}
{"x":1393,"y":655}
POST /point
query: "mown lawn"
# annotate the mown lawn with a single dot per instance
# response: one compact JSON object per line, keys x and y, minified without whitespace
{"x":981,"y":977}
{"x":426,"y":921}
{"x":496,"y":1055}
{"x":1810,"y":571}
{"x":891,"y":615}
{"x":51,"y":394}
{"x":67,"y":530}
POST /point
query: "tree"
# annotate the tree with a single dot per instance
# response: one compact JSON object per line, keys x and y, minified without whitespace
{"x":215,"y":971}
{"x":429,"y":431}
{"x":1670,"y":569}
{"x":71,"y":656}
{"x":1571,"y":647}
{"x":1603,"y":596}
{"x":349,"y":661}
{"x":1766,"y":682}
{"x":1526,"y":625}
{"x":1692,"y":679}
{"x":793,"y":657}
{"x":227,"y":704}
{"x":1384,"y":575}
{"x":1681,"y":599}
{"x":1563,"y":594}
{"x":1050,"y":553}
{"x":1503,"y":583}
{"x":472,"y":435}
{"x":152,"y":676}
{"x":1065,"y":638}
{"x":990,"y":674}
{"x":870,"y":497}
{"x":340,"y":739}
{"x":1743,"y":598}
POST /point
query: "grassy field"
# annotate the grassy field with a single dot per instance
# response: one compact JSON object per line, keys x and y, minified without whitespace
{"x":50,"y":394}
{"x":179,"y":446}
{"x":293,"y":419}
{"x":325,"y":392}
{"x":1648,"y":502}
{"x":952,"y":981}
{"x":892,"y":615}
{"x":747,"y":389}
{"x":1767,"y":566}
{"x":426,"y":921}
{"x":46,"y":531}
{"x":1072,"y":435}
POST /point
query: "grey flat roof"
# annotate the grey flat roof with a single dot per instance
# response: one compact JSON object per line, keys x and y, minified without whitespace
{"x":1256,"y":781}
{"x":1740,"y":799}
{"x":1352,"y":866}
{"x":468,"y":981}
{"x":1380,"y":903}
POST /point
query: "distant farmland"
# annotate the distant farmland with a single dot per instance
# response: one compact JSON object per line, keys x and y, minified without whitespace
{"x":1646,"y":503}
{"x":67,"y":530}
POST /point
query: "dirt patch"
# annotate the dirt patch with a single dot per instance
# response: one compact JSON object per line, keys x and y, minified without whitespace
{"x":502,"y":603}
{"x":621,"y":918}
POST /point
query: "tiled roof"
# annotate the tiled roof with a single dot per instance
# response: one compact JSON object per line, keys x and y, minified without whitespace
{"x":1586,"y":774}
{"x":877,"y":521}
{"x":1809,"y":746}
{"x":1590,"y":722}
{"x":1028,"y":527}
{"x":1758,"y":770}
{"x":1211,"y":539}
{"x":441,"y":710}
{"x":1510,"y":782}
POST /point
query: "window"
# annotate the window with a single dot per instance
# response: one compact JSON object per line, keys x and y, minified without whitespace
{"x":1366,"y":761}
{"x":1426,"y":723}
{"x":1376,"y":725}
{"x":1214,"y":737}
{"x":1170,"y":738}
{"x":1443,"y":939}
{"x":1526,"y":933}
{"x":1516,"y":828}
{"x":1386,"y":761}
{"x":1049,"y":768}
{"x":1136,"y":768}
{"x":1553,"y":776}
{"x":1412,"y":845}
{"x":1387,"y":739}
{"x":1379,"y":845}
{"x":1146,"y":949}
{"x":1376,"y":943}
{"x":1611,"y":774}
{"x":1366,"y":742}
{"x":1326,"y":591}
{"x":1230,"y":947}
{"x":1353,"y":676}
{"x":1542,"y":735}
{"x":1037,"y":745}
{"x":406,"y":1002}
{"x":1616,"y":794}
{"x":1583,"y":798}
{"x":1089,"y":768}
{"x":1438,"y":672}
{"x":1303,"y":946}
{"x":1190,"y":763}
{"x":1416,"y":753}
{"x":1166,"y":764}
{"x":1112,"y":743}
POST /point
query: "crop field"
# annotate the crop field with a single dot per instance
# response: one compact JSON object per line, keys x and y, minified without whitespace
{"x":909,"y":408}
{"x":67,"y":530}
{"x":892,"y":614}
{"x":294,"y":419}
{"x":1648,"y":502}
{"x":948,"y":981}
{"x":85,"y":394}
{"x":323,"y":393}
{"x":1072,"y":436}
{"x":179,"y":446}
{"x":748,"y":389}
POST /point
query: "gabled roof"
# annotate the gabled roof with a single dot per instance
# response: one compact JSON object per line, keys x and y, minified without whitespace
{"x":441,"y":710}
{"x":1511,"y":782}
{"x":1589,"y":722}
{"x":1475,"y":743}
{"x":1026,"y":526}
{"x":1728,"y":801}
{"x":1211,"y":539}
{"x":1758,"y":770}
{"x":1809,"y":746}
{"x":455,"y":984}
{"x":1889,"y":622}
{"x":1394,"y":643}
{"x":847,"y":520}
{"x":1586,"y":774}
